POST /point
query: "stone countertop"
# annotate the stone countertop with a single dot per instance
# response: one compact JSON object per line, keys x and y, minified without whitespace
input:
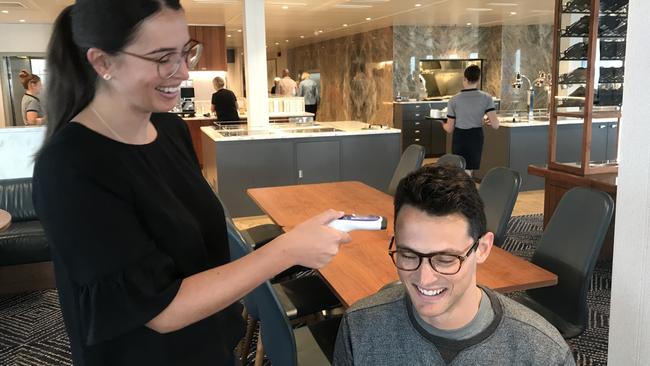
{"x":503,"y":122}
{"x":420,"y":101}
{"x":445,"y":100}
{"x":285,"y":131}
{"x":245,"y":116}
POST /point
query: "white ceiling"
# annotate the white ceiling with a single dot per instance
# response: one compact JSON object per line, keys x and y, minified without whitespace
{"x":318,"y":20}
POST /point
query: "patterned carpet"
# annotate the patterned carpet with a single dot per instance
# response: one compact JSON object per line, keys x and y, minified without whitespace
{"x":32,"y":331}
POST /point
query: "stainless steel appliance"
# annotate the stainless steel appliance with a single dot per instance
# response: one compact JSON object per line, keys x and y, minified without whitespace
{"x":187,"y":102}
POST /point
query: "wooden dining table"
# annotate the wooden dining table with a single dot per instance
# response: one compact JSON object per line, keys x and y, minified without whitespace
{"x":363,"y":266}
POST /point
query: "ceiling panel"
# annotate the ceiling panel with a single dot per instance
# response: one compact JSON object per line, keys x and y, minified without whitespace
{"x":290,"y":19}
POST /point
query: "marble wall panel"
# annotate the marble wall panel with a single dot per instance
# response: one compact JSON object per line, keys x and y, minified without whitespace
{"x":356,"y":75}
{"x":528,"y":48}
{"x":414,"y":43}
{"x":490,"y":49}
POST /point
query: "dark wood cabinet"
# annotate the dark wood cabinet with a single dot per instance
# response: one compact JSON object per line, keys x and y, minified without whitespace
{"x":194,"y":125}
{"x":416,"y":129}
{"x":213,"y":39}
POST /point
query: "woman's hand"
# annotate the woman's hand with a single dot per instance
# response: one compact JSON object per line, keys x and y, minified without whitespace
{"x":312,"y":243}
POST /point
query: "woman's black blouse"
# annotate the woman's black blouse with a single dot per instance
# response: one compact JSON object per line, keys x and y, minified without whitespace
{"x":125,"y":224}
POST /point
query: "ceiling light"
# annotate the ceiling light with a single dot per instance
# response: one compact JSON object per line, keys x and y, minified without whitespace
{"x":468,"y":24}
{"x":286,"y":40}
{"x":22,"y":20}
{"x":277,"y":43}
{"x":5,"y":12}
{"x":502,"y":4}
{"x":285,"y":3}
{"x":229,"y":36}
{"x":345,"y":25}
{"x":368,"y":18}
{"x":478,"y":9}
{"x":351,"y":6}
{"x":418,"y":5}
{"x":239,"y":30}
{"x":302,"y":36}
{"x":285,"y":7}
{"x":513,"y":13}
{"x":320,"y":31}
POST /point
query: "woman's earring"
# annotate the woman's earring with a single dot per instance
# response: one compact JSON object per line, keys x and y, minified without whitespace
{"x":107,"y":76}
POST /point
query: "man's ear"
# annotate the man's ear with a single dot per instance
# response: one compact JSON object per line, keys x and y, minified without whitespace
{"x":100,"y":61}
{"x":484,"y":247}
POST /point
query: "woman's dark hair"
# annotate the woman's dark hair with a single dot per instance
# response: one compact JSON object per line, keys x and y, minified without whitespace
{"x":27,"y":78}
{"x":441,"y":191}
{"x":109,"y":25}
{"x":472,"y":73}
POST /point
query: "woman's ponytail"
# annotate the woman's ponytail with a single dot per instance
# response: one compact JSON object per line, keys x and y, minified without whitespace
{"x":71,"y":81}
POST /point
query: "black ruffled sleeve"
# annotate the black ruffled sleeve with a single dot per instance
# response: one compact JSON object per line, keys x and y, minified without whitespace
{"x":120,"y":302}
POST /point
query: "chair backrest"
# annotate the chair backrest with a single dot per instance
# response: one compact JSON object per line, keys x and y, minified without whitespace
{"x":569,"y":248}
{"x":411,"y":160}
{"x":451,"y":159}
{"x":16,"y":198}
{"x":263,"y":304}
{"x":499,"y":190}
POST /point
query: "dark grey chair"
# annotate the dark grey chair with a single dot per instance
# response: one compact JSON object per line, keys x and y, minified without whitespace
{"x":411,"y":160}
{"x":299,"y":296}
{"x":256,"y":235}
{"x":499,"y":190}
{"x":569,"y":248}
{"x":283,"y":344}
{"x":451,"y":159}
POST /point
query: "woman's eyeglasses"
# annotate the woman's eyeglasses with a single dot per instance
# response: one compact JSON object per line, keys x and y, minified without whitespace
{"x":170,"y":63}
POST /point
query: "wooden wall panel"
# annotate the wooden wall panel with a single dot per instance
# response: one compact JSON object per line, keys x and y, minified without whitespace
{"x":214,"y":47}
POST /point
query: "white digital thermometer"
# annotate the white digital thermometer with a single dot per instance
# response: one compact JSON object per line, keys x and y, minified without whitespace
{"x":353,"y":222}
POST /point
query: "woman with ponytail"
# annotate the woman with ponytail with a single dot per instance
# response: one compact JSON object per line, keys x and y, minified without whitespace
{"x":32,"y":110}
{"x":138,"y":239}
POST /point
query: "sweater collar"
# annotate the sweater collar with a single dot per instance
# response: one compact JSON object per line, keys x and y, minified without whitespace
{"x":453,"y":347}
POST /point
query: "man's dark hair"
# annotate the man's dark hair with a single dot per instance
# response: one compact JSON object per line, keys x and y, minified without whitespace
{"x":473,"y":73}
{"x":441,"y":191}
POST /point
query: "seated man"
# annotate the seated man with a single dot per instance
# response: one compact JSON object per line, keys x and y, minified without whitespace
{"x":438,"y":315}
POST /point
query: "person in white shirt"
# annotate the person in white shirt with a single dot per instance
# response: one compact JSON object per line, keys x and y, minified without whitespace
{"x":287,"y":86}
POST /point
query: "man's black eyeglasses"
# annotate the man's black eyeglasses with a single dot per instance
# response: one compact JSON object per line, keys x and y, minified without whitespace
{"x":443,"y":263}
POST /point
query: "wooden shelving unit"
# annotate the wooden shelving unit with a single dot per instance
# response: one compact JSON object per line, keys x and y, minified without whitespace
{"x":578,"y":27}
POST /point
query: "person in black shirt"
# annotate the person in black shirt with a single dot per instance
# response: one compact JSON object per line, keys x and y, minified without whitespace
{"x":137,"y":236}
{"x":224,"y":101}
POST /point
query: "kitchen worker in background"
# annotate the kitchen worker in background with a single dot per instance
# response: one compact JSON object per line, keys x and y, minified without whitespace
{"x":287,"y":86}
{"x":32,"y":110}
{"x":138,"y":237}
{"x":308,"y":89}
{"x":465,"y":113}
{"x":224,"y":101}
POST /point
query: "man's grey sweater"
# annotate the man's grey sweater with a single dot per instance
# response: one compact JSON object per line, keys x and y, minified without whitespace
{"x":382,"y":330}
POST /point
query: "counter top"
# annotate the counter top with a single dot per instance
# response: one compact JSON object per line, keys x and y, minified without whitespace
{"x":545,"y":122}
{"x":421,"y":101}
{"x":284,"y":131}
{"x":282,"y":114}
{"x":245,"y":116}
{"x":445,"y":100}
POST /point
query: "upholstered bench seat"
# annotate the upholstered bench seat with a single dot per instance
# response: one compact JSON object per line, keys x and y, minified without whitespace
{"x":24,"y":240}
